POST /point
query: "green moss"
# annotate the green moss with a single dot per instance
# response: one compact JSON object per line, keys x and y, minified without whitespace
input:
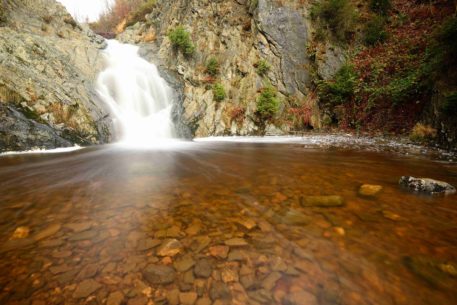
{"x":381,"y":7}
{"x":340,"y":89}
{"x":212,"y":66}
{"x":262,"y":67}
{"x":218,"y":92}
{"x":180,"y":39}
{"x":375,"y":31}
{"x":267,"y":103}
{"x":338,"y":16}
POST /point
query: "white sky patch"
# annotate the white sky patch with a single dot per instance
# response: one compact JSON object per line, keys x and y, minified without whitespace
{"x":85,"y":9}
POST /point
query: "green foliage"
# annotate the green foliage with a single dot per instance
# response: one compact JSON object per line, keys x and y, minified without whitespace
{"x":381,"y":7}
{"x":340,"y":89}
{"x":449,"y":106}
{"x":338,"y":16}
{"x":218,"y":92}
{"x":140,"y":12}
{"x":212,"y":66}
{"x":399,"y":89}
{"x":375,"y":31}
{"x":180,"y":39}
{"x":267,"y":103}
{"x":262,"y":67}
{"x":444,"y":48}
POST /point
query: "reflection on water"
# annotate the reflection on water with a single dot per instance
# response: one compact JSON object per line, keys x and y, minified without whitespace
{"x":223,"y":223}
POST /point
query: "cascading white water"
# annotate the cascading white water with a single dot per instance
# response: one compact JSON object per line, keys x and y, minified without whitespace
{"x":139,"y":98}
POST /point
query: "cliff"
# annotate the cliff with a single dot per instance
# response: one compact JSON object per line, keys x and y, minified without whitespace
{"x":239,"y":36}
{"x":48,"y":64}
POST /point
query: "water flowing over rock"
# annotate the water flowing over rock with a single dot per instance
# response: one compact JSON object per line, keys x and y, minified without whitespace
{"x":139,"y":98}
{"x":48,"y":64}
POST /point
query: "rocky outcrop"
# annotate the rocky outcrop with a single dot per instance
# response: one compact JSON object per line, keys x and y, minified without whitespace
{"x":239,"y":34}
{"x":48,"y":64}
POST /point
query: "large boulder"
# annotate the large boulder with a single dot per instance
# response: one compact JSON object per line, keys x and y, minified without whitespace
{"x":427,"y":185}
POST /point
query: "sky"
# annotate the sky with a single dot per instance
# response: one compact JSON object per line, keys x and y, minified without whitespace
{"x":80,"y":9}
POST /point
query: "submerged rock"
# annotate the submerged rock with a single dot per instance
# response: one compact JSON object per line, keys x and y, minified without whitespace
{"x":369,"y":190}
{"x":159,"y":274}
{"x":322,"y":201}
{"x":427,"y":185}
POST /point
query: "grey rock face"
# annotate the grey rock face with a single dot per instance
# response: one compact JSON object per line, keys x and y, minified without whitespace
{"x":286,"y":30}
{"x":48,"y":66}
{"x":427,"y":185}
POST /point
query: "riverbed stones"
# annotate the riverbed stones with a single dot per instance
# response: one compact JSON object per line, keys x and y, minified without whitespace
{"x":369,"y":190}
{"x":169,"y":247}
{"x":115,"y":298}
{"x":219,"y":251}
{"x":427,"y":186}
{"x":236,"y":242}
{"x":184,"y":264}
{"x":79,"y":227}
{"x":48,"y":231}
{"x":86,"y":288}
{"x":294,"y":217}
{"x":322,"y":201}
{"x":20,"y":232}
{"x":188,"y":298}
{"x":203,"y":268}
{"x":159,"y":274}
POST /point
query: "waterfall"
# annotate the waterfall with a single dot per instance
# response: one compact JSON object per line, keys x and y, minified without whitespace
{"x":138,"y":97}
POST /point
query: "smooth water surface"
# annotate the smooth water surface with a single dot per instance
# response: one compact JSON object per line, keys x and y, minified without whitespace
{"x":223,"y":223}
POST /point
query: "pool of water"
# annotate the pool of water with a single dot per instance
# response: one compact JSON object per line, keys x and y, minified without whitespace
{"x":224,"y":223}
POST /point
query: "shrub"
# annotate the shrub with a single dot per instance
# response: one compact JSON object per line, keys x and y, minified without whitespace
{"x":138,"y":14}
{"x":422,"y":133}
{"x":381,"y":7}
{"x":267,"y":103}
{"x":218,"y":92}
{"x":262,"y":67}
{"x":449,"y":106}
{"x":337,"y":15}
{"x":340,"y":89}
{"x":237,"y":114}
{"x":375,"y":31}
{"x":444,"y":47}
{"x":180,"y":39}
{"x":212,"y":66}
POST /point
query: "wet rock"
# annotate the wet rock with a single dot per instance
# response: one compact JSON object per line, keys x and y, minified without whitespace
{"x":322,"y":201}
{"x":139,"y":300}
{"x":261,"y":295}
{"x":301,"y":298}
{"x":86,"y":288}
{"x":278,"y":264}
{"x":391,"y":215}
{"x":202,"y":243}
{"x":173,"y":297}
{"x":147,"y":244}
{"x":229,"y":274}
{"x":219,"y":290}
{"x":294,"y":217}
{"x":236,"y":242}
{"x":194,"y":229}
{"x":436,"y":273}
{"x":184,"y":264}
{"x":187,"y":298}
{"x":237,"y":255}
{"x":270,"y":281}
{"x":204,"y":301}
{"x":49,"y":231}
{"x":79,"y":227}
{"x":189,"y":277}
{"x":169,"y":247}
{"x":248,"y":223}
{"x":369,"y":190}
{"x":20,"y":232}
{"x":203,"y":268}
{"x":86,"y":235}
{"x":159,"y":274}
{"x":219,"y":251}
{"x":426,"y":185}
{"x":115,"y":298}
